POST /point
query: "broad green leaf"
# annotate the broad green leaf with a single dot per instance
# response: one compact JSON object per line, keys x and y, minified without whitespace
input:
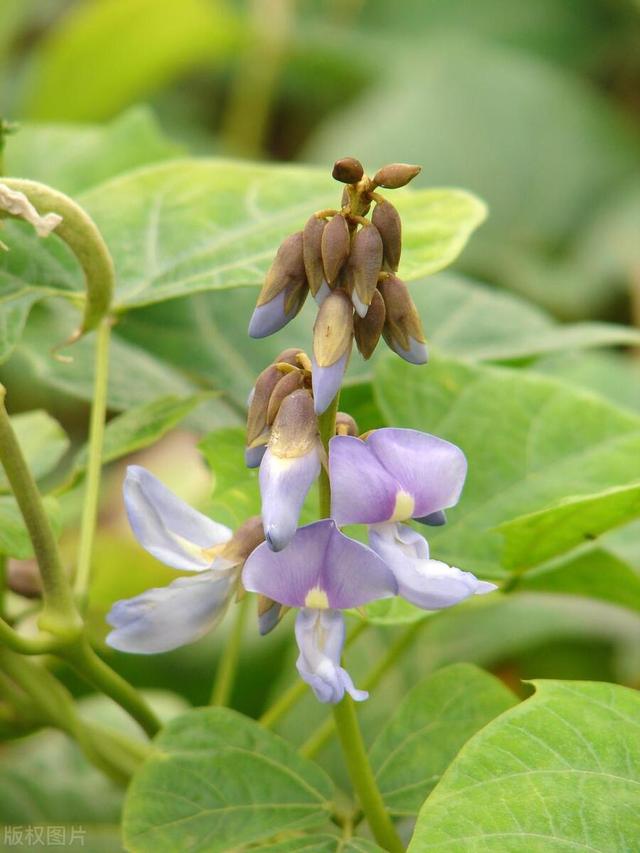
{"x":560,"y":771}
{"x":529,"y":441}
{"x":221,"y":780}
{"x":433,"y":721}
{"x":140,"y":426}
{"x":194,"y":225}
{"x":133,"y":47}
{"x":74,"y":157}
{"x":596,"y":573}
{"x":14,"y":538}
{"x":534,"y":538}
{"x":236,"y":496}
{"x":206,"y":334}
{"x":322,"y":844}
{"x":43,"y":443}
{"x":16,"y":302}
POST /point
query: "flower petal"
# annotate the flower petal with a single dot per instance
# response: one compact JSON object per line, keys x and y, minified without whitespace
{"x":166,"y":526}
{"x":416,"y":354}
{"x":320,"y":638}
{"x":428,"y":584}
{"x":321,"y":567}
{"x":253,"y":455}
{"x":428,"y":468}
{"x":271,"y":317}
{"x":284,"y":483}
{"x":326,"y":381}
{"x":362,"y":491}
{"x":165,"y":618}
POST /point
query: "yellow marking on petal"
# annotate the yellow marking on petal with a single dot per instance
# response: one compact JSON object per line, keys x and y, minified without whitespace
{"x":317,"y":599}
{"x":404,"y":507}
{"x":190,"y":547}
{"x":210,"y":554}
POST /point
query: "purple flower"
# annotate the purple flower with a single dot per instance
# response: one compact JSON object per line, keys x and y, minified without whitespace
{"x":394,"y":475}
{"x":321,"y":571}
{"x":162,"y":619}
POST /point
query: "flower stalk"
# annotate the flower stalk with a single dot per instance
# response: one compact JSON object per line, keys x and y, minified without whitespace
{"x":230,"y":657}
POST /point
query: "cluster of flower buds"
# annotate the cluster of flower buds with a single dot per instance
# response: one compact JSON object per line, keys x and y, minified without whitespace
{"x":349,"y":263}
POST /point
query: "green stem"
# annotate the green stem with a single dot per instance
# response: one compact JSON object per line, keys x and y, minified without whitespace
{"x":228,"y":663}
{"x":40,"y":645}
{"x":80,"y":233}
{"x":59,"y":615}
{"x":87,"y":663}
{"x":327,"y":429}
{"x":94,"y":462}
{"x":298,"y":689}
{"x":362,"y":777}
{"x":323,"y":734}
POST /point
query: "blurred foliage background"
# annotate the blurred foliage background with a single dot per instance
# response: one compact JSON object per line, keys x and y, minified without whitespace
{"x":533,"y":106}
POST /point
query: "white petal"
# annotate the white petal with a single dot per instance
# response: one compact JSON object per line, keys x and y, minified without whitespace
{"x":165,"y":618}
{"x":167,"y":527}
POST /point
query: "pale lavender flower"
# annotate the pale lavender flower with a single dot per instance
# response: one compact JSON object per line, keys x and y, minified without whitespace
{"x":322,"y":572}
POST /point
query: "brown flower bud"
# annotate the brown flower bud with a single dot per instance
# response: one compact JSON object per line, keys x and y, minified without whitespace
{"x":312,"y":252}
{"x":289,"y":383}
{"x":286,"y":271}
{"x":345,"y":424}
{"x":23,"y":578}
{"x":259,"y":402}
{"x":245,"y":540}
{"x":295,"y":429}
{"x":395,"y":175}
{"x":348,"y":170}
{"x":335,"y":247}
{"x":402,"y":329}
{"x":365,"y":262}
{"x":368,"y":329}
{"x":288,"y":356}
{"x":333,"y":329}
{"x":387,"y":220}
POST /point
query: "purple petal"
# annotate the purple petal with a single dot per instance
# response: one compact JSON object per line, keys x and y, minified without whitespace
{"x":268,"y":620}
{"x":362,"y":491}
{"x":284,"y":483}
{"x":321,"y":567}
{"x":270,"y":317}
{"x":428,"y":468}
{"x":320,"y":638}
{"x":323,"y":291}
{"x":428,"y":584}
{"x":434,"y":519}
{"x":326,"y":382}
{"x":360,"y":306}
{"x":162,"y":619}
{"x":166,"y":526}
{"x":416,"y":354}
{"x":253,"y":455}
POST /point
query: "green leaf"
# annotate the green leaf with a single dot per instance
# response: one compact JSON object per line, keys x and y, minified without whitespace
{"x":133,"y":47}
{"x":43,"y":443}
{"x":15,"y":304}
{"x":195,"y":225}
{"x":521,"y":437}
{"x":74,"y":157}
{"x":561,"y":771}
{"x":220,"y":780}
{"x":538,"y":536}
{"x":596,"y":573}
{"x":140,"y":427}
{"x":433,"y":721}
{"x":14,"y":538}
{"x":322,"y":844}
{"x":236,"y":496}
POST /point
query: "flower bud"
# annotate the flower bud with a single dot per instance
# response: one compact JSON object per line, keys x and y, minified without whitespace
{"x":284,"y":290}
{"x":395,"y":175}
{"x":312,"y":253}
{"x":259,"y":402}
{"x":289,"y":383}
{"x":288,"y":356}
{"x":348,"y":170}
{"x":332,"y":339}
{"x":387,"y":220}
{"x":365,"y":262}
{"x":367,"y":330}
{"x":345,"y":424}
{"x":402,"y":328}
{"x":270,"y":613}
{"x":335,"y":247}
{"x":289,"y":467}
